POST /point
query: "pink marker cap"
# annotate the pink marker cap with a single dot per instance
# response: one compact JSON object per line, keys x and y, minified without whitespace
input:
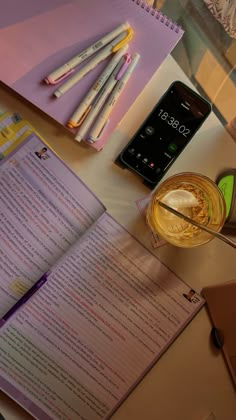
{"x":127,"y":61}
{"x":50,"y":81}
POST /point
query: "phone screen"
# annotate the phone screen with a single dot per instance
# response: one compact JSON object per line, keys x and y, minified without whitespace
{"x":165,"y":132}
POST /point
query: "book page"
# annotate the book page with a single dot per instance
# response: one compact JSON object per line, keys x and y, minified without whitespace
{"x":107,"y":312}
{"x":44,"y":209}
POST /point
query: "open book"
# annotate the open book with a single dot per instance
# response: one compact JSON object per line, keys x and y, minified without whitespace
{"x":108,"y":309}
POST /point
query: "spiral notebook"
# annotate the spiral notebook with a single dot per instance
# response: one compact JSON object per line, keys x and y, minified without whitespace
{"x":37,"y":37}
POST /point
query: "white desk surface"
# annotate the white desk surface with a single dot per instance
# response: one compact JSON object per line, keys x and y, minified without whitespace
{"x":191,"y":379}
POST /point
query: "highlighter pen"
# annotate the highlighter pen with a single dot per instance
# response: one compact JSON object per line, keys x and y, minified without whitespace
{"x":90,"y":65}
{"x":24,"y":298}
{"x":103,"y":117}
{"x":100,"y":100}
{"x":63,"y":71}
{"x":75,"y":119}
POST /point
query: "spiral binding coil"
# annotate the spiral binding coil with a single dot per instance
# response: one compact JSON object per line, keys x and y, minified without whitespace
{"x":158,"y":15}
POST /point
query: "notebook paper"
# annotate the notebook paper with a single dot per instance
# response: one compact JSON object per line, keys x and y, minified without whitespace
{"x":44,"y":37}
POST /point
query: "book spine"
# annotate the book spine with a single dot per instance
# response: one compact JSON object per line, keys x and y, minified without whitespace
{"x":158,"y":15}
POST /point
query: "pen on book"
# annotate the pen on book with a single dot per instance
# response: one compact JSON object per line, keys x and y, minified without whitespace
{"x":103,"y":120}
{"x":102,"y":97}
{"x":67,"y":68}
{"x":24,"y":298}
{"x":83,"y":108}
{"x":114,"y":46}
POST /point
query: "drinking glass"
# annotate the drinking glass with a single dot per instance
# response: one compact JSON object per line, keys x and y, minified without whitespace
{"x":194,"y":195}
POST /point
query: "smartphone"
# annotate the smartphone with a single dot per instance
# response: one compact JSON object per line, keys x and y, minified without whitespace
{"x":165,"y":133}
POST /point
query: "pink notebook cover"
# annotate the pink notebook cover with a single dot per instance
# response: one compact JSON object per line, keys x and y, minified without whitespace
{"x":38,"y":36}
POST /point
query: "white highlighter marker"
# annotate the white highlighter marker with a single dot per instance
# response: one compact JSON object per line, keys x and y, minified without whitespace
{"x":66,"y":69}
{"x":102,"y":121}
{"x":90,"y":65}
{"x":102,"y":97}
{"x":75,"y":119}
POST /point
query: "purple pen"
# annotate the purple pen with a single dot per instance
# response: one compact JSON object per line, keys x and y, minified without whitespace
{"x":24,"y":298}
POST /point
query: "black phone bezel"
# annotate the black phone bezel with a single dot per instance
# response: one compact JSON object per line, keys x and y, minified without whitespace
{"x":123,"y":164}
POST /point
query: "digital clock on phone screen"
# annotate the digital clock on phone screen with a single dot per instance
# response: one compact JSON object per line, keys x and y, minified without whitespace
{"x":165,"y":132}
{"x":174,"y":123}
